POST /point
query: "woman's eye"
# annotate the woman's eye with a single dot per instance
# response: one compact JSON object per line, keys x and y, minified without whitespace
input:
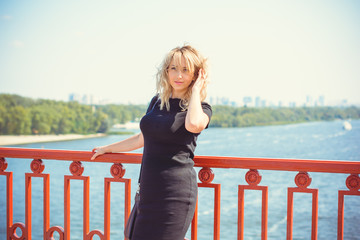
{"x":185,"y":70}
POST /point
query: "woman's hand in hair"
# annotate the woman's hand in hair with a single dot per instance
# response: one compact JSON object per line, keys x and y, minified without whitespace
{"x":200,"y":81}
{"x":196,"y":120}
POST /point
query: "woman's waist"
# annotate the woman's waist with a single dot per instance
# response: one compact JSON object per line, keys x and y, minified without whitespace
{"x":152,"y":172}
{"x":180,"y":158}
{"x":171,"y":179}
{"x":168,"y":151}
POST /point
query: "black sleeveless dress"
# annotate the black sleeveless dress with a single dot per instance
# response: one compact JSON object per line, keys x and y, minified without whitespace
{"x":168,"y":183}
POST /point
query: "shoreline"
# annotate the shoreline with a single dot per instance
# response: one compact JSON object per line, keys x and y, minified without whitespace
{"x":26,"y":139}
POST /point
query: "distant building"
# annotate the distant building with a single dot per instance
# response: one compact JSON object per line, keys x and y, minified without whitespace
{"x":292,"y":104}
{"x":263,"y":103}
{"x":247,"y":100}
{"x":87,"y":99}
{"x":321,"y":101}
{"x":222,"y":101}
{"x":73,"y":97}
{"x":257,"y":102}
{"x":344,"y":103}
{"x":309,"y":101}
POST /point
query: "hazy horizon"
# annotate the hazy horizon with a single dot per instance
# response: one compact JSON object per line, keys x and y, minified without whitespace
{"x":278,"y":50}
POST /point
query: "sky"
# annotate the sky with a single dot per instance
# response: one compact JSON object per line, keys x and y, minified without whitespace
{"x":278,"y":50}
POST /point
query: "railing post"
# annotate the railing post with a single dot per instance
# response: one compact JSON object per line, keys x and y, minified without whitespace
{"x":37,"y":167}
{"x":28,"y":206}
{"x":302,"y":180}
{"x":353,"y":183}
{"x":290,"y":207}
{"x":253,"y":178}
{"x":206,"y":176}
{"x":9,"y":195}
{"x":76,"y":168}
{"x":194,"y":222}
{"x":117,"y":171}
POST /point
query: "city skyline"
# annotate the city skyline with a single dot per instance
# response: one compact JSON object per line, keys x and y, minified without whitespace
{"x":280,"y":51}
{"x":249,"y":101}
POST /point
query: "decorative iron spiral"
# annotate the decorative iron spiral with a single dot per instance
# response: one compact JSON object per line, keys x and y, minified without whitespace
{"x":302,"y":180}
{"x":3,"y":164}
{"x":99,"y":233}
{"x":117,"y":170}
{"x":13,"y":228}
{"x":76,"y":168}
{"x":353,"y":182}
{"x":37,"y":166}
{"x":253,"y":177}
{"x":58,"y":229}
{"x":206,"y":175}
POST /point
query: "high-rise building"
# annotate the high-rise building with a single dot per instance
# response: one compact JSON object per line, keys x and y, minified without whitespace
{"x":247,"y":100}
{"x":309,"y":101}
{"x":73,"y":97}
{"x":257,"y":102}
{"x":292,"y":104}
{"x":321,"y":101}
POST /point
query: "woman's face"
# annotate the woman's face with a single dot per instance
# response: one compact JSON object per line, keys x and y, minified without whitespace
{"x":180,"y":78}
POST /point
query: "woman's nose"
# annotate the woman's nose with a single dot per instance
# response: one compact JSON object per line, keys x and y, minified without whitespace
{"x":179,"y":74}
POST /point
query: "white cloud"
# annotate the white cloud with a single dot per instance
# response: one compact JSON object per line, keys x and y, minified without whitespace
{"x":17,"y":44}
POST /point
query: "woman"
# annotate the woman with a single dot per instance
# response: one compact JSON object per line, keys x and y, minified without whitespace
{"x":169,"y":130}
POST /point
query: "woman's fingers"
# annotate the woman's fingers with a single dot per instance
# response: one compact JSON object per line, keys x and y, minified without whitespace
{"x":201,"y":78}
{"x":94,"y":156}
{"x":205,"y":75}
{"x":96,"y":153}
{"x":201,"y":73}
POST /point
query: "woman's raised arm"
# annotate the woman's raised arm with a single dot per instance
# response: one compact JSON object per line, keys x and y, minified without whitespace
{"x":196,"y":120}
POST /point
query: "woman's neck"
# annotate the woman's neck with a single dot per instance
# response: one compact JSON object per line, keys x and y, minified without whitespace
{"x":177,"y":95}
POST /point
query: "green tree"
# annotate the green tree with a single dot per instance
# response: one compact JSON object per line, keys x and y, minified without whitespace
{"x":19,"y":121}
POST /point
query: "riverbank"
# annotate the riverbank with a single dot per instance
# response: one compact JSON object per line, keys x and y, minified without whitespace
{"x":25,"y":139}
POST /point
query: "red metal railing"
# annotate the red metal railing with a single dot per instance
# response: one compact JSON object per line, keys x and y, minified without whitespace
{"x":206,"y":176}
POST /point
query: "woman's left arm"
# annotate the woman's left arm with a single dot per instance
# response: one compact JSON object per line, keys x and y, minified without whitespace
{"x":196,"y":120}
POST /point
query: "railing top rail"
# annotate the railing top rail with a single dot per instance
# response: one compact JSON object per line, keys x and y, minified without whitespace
{"x":330,"y":166}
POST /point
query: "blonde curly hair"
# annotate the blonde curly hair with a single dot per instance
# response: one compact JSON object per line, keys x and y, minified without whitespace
{"x":194,"y":62}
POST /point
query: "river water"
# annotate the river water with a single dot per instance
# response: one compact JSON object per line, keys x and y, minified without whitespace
{"x":316,"y":140}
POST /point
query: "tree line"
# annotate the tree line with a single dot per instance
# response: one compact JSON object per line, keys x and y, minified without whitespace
{"x":21,"y":115}
{"x":225,"y":116}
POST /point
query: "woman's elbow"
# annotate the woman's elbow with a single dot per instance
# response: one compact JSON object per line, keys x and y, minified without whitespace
{"x":140,"y":140}
{"x":195,"y":127}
